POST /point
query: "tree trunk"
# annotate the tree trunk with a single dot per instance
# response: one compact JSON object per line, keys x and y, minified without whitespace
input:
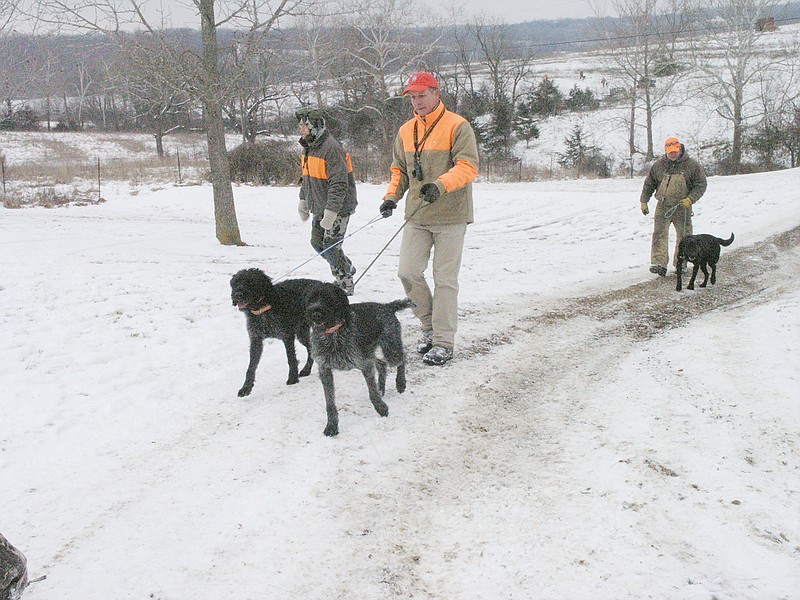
{"x":224,"y":208}
{"x":159,"y":135}
{"x":648,"y":116}
{"x":632,"y":129}
{"x":736,"y":148}
{"x":67,"y":122}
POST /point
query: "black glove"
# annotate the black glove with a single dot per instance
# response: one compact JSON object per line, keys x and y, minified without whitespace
{"x":387,"y":207}
{"x":429,"y":192}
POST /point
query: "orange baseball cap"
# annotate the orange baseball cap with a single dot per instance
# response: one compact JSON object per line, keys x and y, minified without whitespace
{"x":672,"y":144}
{"x":419,"y":82}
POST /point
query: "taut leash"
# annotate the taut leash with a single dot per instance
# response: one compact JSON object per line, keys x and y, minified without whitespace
{"x":391,"y":239}
{"x":285,"y":275}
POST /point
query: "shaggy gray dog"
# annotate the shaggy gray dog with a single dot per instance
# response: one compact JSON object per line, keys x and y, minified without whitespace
{"x":347,"y":336}
{"x":273,"y":311}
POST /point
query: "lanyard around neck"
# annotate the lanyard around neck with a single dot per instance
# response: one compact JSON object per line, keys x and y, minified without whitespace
{"x":419,"y":144}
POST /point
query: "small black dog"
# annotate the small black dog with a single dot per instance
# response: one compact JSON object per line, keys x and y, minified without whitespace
{"x":347,"y":336}
{"x":701,"y":250}
{"x":273,"y":311}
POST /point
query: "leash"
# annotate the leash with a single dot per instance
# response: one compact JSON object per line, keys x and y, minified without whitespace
{"x":364,"y":272}
{"x":668,"y":214}
{"x":391,"y":239}
{"x":285,"y":275}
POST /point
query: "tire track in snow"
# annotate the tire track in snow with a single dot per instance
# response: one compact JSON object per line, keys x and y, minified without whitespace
{"x":520,"y":435}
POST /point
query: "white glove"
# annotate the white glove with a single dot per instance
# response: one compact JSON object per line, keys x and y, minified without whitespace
{"x":302,"y":210}
{"x":328,"y":219}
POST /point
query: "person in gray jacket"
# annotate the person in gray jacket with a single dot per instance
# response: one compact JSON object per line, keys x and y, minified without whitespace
{"x":678,"y":182}
{"x":328,"y":192}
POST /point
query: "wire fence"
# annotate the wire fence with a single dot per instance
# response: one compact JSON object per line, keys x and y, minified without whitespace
{"x":61,"y":182}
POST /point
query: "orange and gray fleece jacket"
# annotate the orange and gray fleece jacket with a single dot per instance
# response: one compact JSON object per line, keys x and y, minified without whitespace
{"x":449,"y":158}
{"x":328,"y":182}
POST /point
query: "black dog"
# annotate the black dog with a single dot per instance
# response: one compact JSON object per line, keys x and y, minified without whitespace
{"x":347,"y":336}
{"x":273,"y":311}
{"x":700,"y":250}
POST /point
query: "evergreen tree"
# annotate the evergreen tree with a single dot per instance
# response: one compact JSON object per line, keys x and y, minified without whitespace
{"x":583,"y":157}
{"x":498,"y":135}
{"x":526,"y":123}
{"x":546,"y":99}
{"x":582,"y":100}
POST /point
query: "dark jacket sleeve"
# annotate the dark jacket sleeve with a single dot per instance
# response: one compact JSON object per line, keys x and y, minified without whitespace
{"x":697,"y":182}
{"x":336,"y":164}
{"x":650,"y":184}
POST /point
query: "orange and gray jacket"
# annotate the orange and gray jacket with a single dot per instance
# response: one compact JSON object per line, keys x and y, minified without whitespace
{"x":672,"y":181}
{"x":448,"y":158}
{"x":328,"y":182}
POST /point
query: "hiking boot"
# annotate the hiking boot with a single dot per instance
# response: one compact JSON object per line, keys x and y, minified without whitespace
{"x":438,"y":355}
{"x":662,"y":271}
{"x":346,"y":283}
{"x":425,"y":343}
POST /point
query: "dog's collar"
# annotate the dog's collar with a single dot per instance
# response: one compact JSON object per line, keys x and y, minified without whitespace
{"x":333,"y":329}
{"x":261,"y":310}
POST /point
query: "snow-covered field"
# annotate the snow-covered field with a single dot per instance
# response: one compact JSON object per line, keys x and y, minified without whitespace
{"x":598,"y":435}
{"x":561,"y":459}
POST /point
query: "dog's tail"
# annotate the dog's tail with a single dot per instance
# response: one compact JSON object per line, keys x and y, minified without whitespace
{"x":727,"y":242}
{"x":398,"y":305}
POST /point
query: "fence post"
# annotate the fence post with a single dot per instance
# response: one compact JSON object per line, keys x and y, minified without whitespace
{"x":99,"y":198}
{"x":178,"y":154}
{"x":3,"y":161}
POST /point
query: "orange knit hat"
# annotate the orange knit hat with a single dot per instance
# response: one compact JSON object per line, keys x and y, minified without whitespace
{"x":672,"y":145}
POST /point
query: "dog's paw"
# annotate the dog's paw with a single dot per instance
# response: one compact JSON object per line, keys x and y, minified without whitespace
{"x":245,"y":391}
{"x":401,"y":387}
{"x":382,"y":409}
{"x":305,"y":372}
{"x":292,"y":380}
{"x":331,"y":430}
{"x":703,"y":284}
{"x":691,"y":286}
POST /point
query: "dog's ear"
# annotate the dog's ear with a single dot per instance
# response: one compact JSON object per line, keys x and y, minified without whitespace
{"x":260,"y":278}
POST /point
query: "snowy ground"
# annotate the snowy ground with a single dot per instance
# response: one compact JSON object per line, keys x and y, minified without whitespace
{"x":599,"y":435}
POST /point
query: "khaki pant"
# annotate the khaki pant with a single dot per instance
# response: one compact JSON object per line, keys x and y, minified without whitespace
{"x":437,"y":310}
{"x":681,"y":220}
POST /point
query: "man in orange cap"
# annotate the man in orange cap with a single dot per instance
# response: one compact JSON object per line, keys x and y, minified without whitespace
{"x":678,"y":182}
{"x":435,"y":160}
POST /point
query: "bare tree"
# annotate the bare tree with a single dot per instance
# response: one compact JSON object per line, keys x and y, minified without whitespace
{"x":200,"y":72}
{"x":777,"y":135}
{"x":264,"y":82}
{"x":379,"y":47}
{"x":8,"y":10}
{"x":733,"y":56}
{"x":149,"y":79}
{"x":321,"y":51}
{"x":642,"y":45}
{"x":463,"y":76}
{"x":508,"y":64}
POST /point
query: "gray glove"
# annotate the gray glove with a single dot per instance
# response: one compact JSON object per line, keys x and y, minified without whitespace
{"x":302,"y":210}
{"x":328,"y":218}
{"x":644,"y":207}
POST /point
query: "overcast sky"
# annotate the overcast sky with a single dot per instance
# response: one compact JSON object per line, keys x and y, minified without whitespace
{"x":517,"y":11}
{"x":510,"y":11}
